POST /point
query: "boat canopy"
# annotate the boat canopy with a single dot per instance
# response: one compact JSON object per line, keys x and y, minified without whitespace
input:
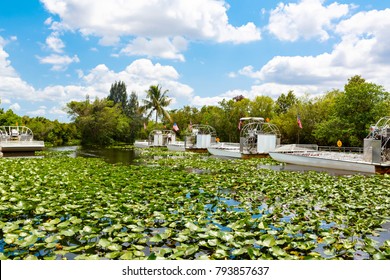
{"x":20,"y":133}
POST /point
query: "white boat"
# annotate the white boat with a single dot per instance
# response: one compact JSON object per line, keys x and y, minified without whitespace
{"x":257,"y":139}
{"x":374,"y":159}
{"x":18,"y":139}
{"x":157,"y":138}
{"x":178,"y":146}
{"x":231,"y":150}
{"x":328,"y":160}
{"x":199,"y":138}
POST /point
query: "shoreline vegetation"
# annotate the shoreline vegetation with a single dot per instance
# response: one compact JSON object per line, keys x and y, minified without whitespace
{"x":337,"y":115}
{"x":186,"y":206}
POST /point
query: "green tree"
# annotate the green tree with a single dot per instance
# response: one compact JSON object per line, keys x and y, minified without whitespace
{"x":118,"y":95}
{"x":284,"y":102}
{"x":359,"y":105}
{"x":156,"y":102}
{"x":262,"y":106}
{"x":9,"y":118}
{"x":100,"y":122}
{"x":135,"y":117}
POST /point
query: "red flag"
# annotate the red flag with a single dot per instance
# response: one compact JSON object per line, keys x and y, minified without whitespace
{"x":299,"y":121}
{"x":175,"y":127}
{"x":239,"y":125}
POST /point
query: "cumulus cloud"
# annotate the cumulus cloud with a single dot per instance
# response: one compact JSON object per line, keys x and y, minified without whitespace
{"x":157,"y":47}
{"x":59,"y":62}
{"x":149,"y":22}
{"x":139,"y":76}
{"x":54,"y":43}
{"x":11,"y":83}
{"x":364,"y":49}
{"x":39,"y":112}
{"x":306,"y":19}
{"x":15,"y":107}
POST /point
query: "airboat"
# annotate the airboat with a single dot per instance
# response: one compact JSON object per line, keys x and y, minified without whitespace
{"x":157,"y":138}
{"x":257,"y":139}
{"x":199,"y":138}
{"x":374,"y":159}
{"x":18,"y":139}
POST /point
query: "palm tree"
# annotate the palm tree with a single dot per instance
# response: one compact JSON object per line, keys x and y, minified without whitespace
{"x":156,"y":101}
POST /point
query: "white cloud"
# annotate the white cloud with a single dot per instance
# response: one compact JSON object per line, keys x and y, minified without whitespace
{"x":39,"y":112}
{"x":364,"y":49}
{"x":58,"y":62}
{"x":5,"y":101}
{"x":157,"y":47}
{"x":11,"y":83}
{"x":150,"y":21}
{"x":139,"y":76}
{"x":15,"y":107}
{"x":54,"y":43}
{"x":307,"y":19}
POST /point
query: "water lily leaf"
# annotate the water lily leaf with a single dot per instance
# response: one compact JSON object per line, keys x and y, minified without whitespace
{"x":225,"y":236}
{"x":67,"y":232}
{"x":191,"y":250}
{"x":139,"y":254}
{"x":31,"y":257}
{"x":263,"y":225}
{"x":266,"y":240}
{"x":329,"y":240}
{"x":63,"y":224}
{"x":112,"y":255}
{"x":87,"y":229}
{"x":75,"y":220}
{"x":156,"y":238}
{"x":28,"y":241}
{"x":10,"y":238}
{"x":181,"y":238}
{"x":10,"y":227}
{"x":51,"y":245}
{"x":104,"y":243}
{"x":127,"y":256}
{"x":54,"y":221}
{"x":212,"y":242}
{"x":277,"y":251}
{"x":240,"y":251}
{"x":192,"y":226}
{"x":114,"y":247}
{"x":379,"y":256}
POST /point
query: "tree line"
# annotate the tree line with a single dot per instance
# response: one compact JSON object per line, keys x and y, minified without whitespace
{"x":344,"y":115}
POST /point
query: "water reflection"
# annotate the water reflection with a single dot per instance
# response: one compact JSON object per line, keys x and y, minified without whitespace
{"x":125,"y":156}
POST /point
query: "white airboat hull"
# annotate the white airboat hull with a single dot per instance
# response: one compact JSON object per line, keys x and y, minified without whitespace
{"x":318,"y":159}
{"x":176,"y":147}
{"x":141,"y":144}
{"x":21,"y":146}
{"x":224,"y":152}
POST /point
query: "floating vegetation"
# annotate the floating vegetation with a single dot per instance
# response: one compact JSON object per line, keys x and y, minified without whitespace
{"x":58,"y":207}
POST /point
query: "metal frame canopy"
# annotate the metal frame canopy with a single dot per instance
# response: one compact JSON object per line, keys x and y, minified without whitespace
{"x":202,"y":129}
{"x":381,"y":131}
{"x":16,"y":133}
{"x":165,"y":134}
{"x":255,"y":126}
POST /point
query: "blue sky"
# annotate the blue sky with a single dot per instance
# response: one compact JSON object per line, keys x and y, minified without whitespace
{"x":202,"y":51}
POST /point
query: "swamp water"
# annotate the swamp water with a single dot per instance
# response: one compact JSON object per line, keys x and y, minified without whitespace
{"x":192,"y":209}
